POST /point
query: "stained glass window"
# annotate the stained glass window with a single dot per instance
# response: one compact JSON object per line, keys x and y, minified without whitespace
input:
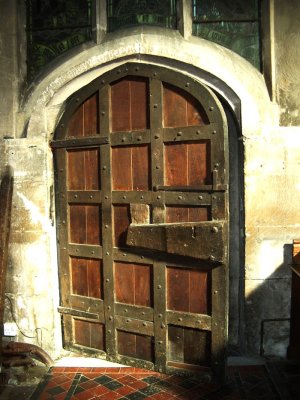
{"x":123,"y":13}
{"x":53,"y":27}
{"x":232,"y":24}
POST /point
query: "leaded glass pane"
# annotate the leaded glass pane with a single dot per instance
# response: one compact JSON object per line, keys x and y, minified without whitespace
{"x":55,"y":26}
{"x":124,"y":13}
{"x":232,"y":24}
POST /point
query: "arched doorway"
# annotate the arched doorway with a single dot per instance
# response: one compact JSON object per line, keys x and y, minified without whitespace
{"x":142,"y":218}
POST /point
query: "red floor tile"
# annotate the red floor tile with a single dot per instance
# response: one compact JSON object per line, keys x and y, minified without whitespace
{"x":138,"y":385}
{"x":111,"y":396}
{"x":99,"y":390}
{"x":124,"y":390}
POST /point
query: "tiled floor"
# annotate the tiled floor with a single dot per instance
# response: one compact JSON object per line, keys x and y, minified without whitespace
{"x":251,"y":382}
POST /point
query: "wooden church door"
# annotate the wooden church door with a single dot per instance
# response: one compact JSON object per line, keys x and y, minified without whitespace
{"x":141,"y":201}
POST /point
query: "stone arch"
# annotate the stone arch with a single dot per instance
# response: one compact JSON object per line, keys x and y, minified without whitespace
{"x":236,"y":80}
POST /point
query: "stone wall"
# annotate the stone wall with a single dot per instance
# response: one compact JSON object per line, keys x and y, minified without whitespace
{"x":32,"y":278}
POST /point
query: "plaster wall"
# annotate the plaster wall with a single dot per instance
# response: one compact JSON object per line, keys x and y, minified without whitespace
{"x":270,"y":174}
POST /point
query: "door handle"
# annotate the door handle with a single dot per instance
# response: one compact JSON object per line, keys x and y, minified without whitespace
{"x":201,"y":240}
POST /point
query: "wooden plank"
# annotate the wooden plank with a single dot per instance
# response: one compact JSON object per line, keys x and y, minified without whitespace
{"x":124,"y":282}
{"x":198,"y":214}
{"x":79,"y":276}
{"x":76,"y":163}
{"x":121,"y":168}
{"x":95,"y":278}
{"x":143,"y":285}
{"x":91,"y":124}
{"x":120,"y":106}
{"x":92,"y":174}
{"x":174,"y":100}
{"x":198,"y":163}
{"x":75,"y":125}
{"x":195,"y":112}
{"x":197,"y":348}
{"x":121,"y":220}
{"x":97,"y":340}
{"x":139,"y":103}
{"x":144,"y":348}
{"x":93,"y":225}
{"x":77,"y":224}
{"x":176,"y":164}
{"x":178,"y":288}
{"x":199,"y":292}
{"x":126,"y":343}
{"x":175,"y":343}
{"x":177,"y":214}
{"x":133,"y":284}
{"x":140,"y":166}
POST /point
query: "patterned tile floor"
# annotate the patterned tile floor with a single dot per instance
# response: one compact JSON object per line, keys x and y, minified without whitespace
{"x":251,"y":383}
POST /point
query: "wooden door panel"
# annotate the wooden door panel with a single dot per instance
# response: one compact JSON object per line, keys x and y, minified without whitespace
{"x":129,"y":104}
{"x":135,"y":345}
{"x":130,"y":166}
{"x":142,"y":150}
{"x":84,"y":121}
{"x":86,"y":277}
{"x":133,"y":284}
{"x":188,"y":346}
{"x":85,"y":224}
{"x":83,"y":169}
{"x":175,"y":213}
{"x":187,"y":164}
{"x":181,"y":109}
{"x":187,"y":290}
{"x":89,"y":334}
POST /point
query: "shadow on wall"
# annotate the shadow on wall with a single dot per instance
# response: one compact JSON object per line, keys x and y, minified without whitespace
{"x":267,"y":311}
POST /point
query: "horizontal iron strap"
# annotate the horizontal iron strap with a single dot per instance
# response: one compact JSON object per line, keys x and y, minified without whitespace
{"x":137,"y":312}
{"x":200,"y":188}
{"x":77,"y":313}
{"x":85,"y":250}
{"x":129,"y":138}
{"x":134,"y":325}
{"x":173,"y":197}
{"x":126,"y":255}
{"x":194,"y":133}
{"x":79,"y":142}
{"x":84,"y":196}
{"x":198,"y":321}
